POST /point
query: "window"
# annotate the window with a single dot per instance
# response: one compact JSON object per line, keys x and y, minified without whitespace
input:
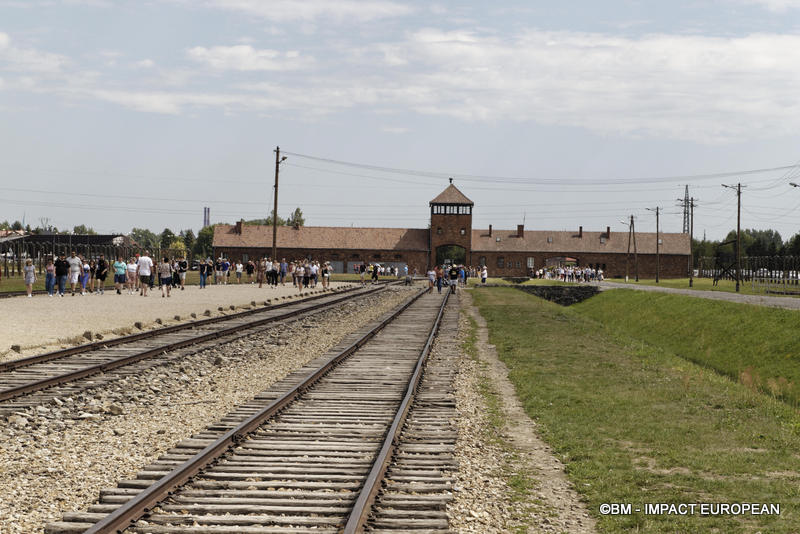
{"x":500,"y":262}
{"x":602,"y":240}
{"x":549,"y":239}
{"x":463,"y":231}
{"x":482,"y":261}
{"x":376,"y":256}
{"x":530,"y":262}
{"x":439,"y":230}
{"x":518,"y":265}
{"x":335,"y":256}
{"x":245,"y":258}
{"x":398,"y":256}
{"x":660,"y":241}
{"x":354,"y":256}
{"x":497,"y":239}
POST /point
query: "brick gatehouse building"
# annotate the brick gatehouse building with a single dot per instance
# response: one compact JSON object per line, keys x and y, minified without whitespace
{"x":451,"y":237}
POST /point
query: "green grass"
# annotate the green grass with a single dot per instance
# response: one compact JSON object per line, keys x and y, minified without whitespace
{"x":17,"y":283}
{"x":704,"y":284}
{"x":755,"y":345}
{"x":635,"y":423}
{"x":476,"y":281}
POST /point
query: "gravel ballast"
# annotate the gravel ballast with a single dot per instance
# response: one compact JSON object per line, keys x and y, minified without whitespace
{"x":56,"y":458}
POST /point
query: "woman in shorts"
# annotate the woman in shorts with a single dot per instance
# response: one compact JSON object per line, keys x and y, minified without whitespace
{"x":120,"y":267}
{"x":165,"y":277}
{"x":30,"y":276}
{"x":131,"y":276}
{"x":85,"y":276}
{"x":239,"y":271}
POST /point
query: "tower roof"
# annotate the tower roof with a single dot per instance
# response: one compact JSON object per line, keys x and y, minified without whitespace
{"x":451,"y":195}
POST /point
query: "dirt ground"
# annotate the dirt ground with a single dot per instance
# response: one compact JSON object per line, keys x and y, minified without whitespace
{"x":566,"y":512}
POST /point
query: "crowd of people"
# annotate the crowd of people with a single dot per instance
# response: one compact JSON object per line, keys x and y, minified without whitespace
{"x":81,"y":275}
{"x":303,"y":274}
{"x":570,"y":273}
{"x":454,"y":276}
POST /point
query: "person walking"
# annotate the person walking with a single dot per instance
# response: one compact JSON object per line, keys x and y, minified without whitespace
{"x":75,"y":268}
{"x":239,"y":271}
{"x":250,"y":268}
{"x":144,"y":270}
{"x":183,"y":267}
{"x":130,"y":276}
{"x":29,"y":271}
{"x":261,"y":271}
{"x":453,"y":273}
{"x":62,"y":273}
{"x":101,"y":272}
{"x":85,"y":276}
{"x":484,"y":274}
{"x":165,"y":270}
{"x":120,"y":268}
{"x":50,"y":277}
{"x":439,"y":275}
{"x":284,"y":269}
{"x":202,"y":270}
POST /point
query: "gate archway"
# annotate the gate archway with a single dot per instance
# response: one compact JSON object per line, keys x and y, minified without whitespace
{"x":451,"y":254}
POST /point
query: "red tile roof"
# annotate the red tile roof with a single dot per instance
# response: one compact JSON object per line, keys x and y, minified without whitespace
{"x":451,"y":195}
{"x":323,"y":237}
{"x":565,"y":243}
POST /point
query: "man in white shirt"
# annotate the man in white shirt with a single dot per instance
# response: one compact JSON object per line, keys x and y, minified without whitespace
{"x":75,"y":270}
{"x":143,"y":270}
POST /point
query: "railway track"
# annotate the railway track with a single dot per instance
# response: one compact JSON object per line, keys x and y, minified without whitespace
{"x":39,"y":379}
{"x":315,"y":451}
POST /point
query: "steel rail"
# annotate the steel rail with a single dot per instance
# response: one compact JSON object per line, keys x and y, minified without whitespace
{"x":44,"y":383}
{"x":363,"y":505}
{"x":132,"y":510}
{"x":55,"y":355}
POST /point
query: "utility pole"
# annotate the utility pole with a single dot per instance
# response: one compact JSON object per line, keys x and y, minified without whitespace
{"x":278,"y":161}
{"x":688,"y":228}
{"x":738,"y":190}
{"x":658,"y":247}
{"x":691,"y":241}
{"x":635,"y":251}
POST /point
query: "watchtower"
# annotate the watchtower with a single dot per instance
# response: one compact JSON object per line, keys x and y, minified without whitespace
{"x":451,"y":226}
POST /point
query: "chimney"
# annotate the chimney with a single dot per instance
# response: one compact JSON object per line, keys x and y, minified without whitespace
{"x":580,"y":231}
{"x":490,"y":230}
{"x":608,"y":232}
{"x":520,"y":230}
{"x":239,"y":226}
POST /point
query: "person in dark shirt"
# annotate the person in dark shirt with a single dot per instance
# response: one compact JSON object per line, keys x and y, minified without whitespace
{"x":100,"y":273}
{"x":62,"y":270}
{"x":453,"y":274}
{"x":183,"y":266}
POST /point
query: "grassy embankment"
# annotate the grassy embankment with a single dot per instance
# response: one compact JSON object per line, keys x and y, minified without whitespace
{"x":613,"y":385}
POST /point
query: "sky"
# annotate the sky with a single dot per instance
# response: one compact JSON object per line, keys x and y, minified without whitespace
{"x":122,"y":114}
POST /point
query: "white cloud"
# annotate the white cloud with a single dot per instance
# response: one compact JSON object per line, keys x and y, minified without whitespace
{"x":247,"y":58}
{"x":13,"y":58}
{"x":145,"y":64}
{"x":395,"y":130}
{"x":340,"y":11}
{"x":777,"y":6}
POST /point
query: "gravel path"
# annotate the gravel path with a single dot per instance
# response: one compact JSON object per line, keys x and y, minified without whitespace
{"x":45,"y":323}
{"x":788,"y":303}
{"x":484,"y":499}
{"x":63,"y":454}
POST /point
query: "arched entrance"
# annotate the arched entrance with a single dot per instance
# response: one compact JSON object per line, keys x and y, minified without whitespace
{"x":451,"y":254}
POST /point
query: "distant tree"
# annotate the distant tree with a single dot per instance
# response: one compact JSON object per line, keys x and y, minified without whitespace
{"x":16,"y":225}
{"x":166,"y":237}
{"x":793,"y":245}
{"x":296,"y":218}
{"x":145,"y":238}
{"x":5,"y":226}
{"x":177,"y":245}
{"x":188,"y":238}
{"x":28,"y":228}
{"x":204,"y":241}
{"x":82,"y":229}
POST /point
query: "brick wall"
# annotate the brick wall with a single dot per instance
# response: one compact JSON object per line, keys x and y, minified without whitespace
{"x":451,"y":226}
